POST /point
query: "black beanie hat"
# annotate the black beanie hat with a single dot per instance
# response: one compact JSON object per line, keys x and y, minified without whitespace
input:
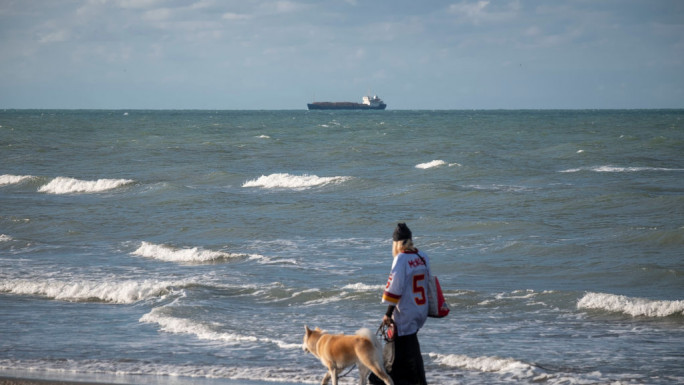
{"x":401,"y":233}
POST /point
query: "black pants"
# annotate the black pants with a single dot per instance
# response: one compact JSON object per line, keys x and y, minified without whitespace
{"x":408,"y":363}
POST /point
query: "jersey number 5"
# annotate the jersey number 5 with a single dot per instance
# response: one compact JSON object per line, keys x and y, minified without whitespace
{"x":418,"y":289}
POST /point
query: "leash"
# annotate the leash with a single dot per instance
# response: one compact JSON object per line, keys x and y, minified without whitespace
{"x":382,"y":331}
{"x":348,"y":371}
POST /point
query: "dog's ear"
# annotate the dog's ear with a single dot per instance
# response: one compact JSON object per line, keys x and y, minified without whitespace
{"x":307,"y":330}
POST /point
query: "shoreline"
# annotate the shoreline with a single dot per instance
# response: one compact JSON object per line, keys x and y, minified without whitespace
{"x":8,"y":380}
{"x":25,"y":380}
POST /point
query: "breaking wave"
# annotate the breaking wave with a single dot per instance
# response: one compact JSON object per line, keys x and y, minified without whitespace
{"x":119,"y":292}
{"x":202,"y":331}
{"x":113,"y":371}
{"x":192,"y":255}
{"x":514,"y":368}
{"x":619,"y":169}
{"x":435,"y":163}
{"x":13,"y":179}
{"x":633,"y":306}
{"x":363,"y":287}
{"x":62,"y":185}
{"x":296,"y":182}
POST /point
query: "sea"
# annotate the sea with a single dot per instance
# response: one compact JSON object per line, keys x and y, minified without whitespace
{"x":193,"y":247}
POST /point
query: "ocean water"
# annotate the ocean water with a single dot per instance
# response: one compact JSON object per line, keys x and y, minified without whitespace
{"x":191,"y":247}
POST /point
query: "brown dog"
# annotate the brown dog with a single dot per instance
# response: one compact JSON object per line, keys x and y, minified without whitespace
{"x":339,"y":351}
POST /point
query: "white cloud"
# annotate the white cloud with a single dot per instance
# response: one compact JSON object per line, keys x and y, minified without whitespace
{"x":235,"y":16}
{"x":54,"y":37}
{"x":159,"y":14}
{"x":473,"y":11}
{"x":483,"y":11}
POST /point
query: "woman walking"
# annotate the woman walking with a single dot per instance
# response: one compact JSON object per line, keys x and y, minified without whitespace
{"x":406,"y":296}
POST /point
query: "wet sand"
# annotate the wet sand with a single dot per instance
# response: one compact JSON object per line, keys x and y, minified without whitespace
{"x":29,"y":381}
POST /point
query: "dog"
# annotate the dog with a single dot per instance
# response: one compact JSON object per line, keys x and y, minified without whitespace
{"x":339,"y":351}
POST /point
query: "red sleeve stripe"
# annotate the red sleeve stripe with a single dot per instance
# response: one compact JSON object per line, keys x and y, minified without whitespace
{"x":389,"y":297}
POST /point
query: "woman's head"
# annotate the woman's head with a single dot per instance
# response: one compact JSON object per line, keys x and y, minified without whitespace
{"x":402,"y":240}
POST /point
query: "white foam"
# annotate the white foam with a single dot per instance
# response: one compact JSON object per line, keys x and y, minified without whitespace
{"x":517,"y":369}
{"x":121,"y":292}
{"x":436,"y":163}
{"x":363,"y":287}
{"x":5,"y":238}
{"x":171,"y":254}
{"x":296,"y":182}
{"x":202,"y":331}
{"x":629,"y":305}
{"x":62,"y":185}
{"x":13,"y":179}
{"x":615,"y":169}
{"x":129,"y":371}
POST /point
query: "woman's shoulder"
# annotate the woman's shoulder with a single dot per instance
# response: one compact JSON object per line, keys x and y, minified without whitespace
{"x":411,"y":256}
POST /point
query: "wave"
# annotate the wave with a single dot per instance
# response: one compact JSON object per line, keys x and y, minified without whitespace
{"x":202,"y":331}
{"x":363,"y":287}
{"x":616,"y":169}
{"x":435,"y":163}
{"x":633,"y":306}
{"x":516,"y":369}
{"x":296,"y":182}
{"x":5,"y":238}
{"x":63,"y":185}
{"x":13,"y":179}
{"x":119,"y":292}
{"x":499,"y":187}
{"x":116,"y":370}
{"x":171,"y":254}
{"x":510,"y":370}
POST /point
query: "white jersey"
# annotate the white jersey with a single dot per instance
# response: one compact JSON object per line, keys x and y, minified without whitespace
{"x":407,"y":289}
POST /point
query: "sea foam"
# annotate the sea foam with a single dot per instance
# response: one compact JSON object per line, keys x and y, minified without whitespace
{"x":13,"y":179}
{"x":120,"y":292}
{"x":171,"y":254}
{"x":516,"y":369}
{"x":628,"y":305}
{"x":62,"y":185}
{"x":435,"y":163}
{"x":615,"y":169}
{"x":296,"y":182}
{"x":363,"y":287}
{"x":176,"y":325}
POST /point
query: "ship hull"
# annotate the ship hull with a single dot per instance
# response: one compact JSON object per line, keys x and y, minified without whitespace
{"x":344,"y":106}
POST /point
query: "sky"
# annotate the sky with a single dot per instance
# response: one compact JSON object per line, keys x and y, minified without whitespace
{"x":233,"y":55}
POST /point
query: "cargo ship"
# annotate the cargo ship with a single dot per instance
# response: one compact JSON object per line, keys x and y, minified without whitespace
{"x":368,"y":103}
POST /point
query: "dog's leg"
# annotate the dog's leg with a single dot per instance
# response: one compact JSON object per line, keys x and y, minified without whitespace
{"x":363,"y":374}
{"x":326,"y":378}
{"x":335,"y":373}
{"x":379,"y":371}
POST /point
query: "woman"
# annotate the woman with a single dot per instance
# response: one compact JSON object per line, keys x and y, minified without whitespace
{"x":406,"y":295}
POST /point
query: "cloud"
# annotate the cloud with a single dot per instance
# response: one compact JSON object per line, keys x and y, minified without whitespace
{"x":266,"y":50}
{"x":235,"y":16}
{"x":484,"y":11}
{"x":54,"y":37}
{"x":285,"y":6}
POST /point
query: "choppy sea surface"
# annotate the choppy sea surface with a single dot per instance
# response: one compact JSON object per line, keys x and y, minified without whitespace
{"x":193,"y":246}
